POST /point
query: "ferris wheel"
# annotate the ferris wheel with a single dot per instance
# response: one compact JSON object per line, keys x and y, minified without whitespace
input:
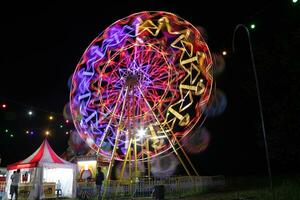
{"x":140,"y":86}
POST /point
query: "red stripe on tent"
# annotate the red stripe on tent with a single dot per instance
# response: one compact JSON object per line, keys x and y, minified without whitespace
{"x":53,"y":155}
{"x":21,"y":166}
{"x":39,"y":154}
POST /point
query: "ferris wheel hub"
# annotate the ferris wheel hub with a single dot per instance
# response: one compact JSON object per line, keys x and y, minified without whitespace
{"x":132,"y":80}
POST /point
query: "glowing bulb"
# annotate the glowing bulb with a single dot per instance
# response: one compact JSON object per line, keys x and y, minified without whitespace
{"x":224,"y":53}
{"x":6,"y":130}
{"x":47,"y":133}
{"x":11,"y":135}
{"x":67,"y":133}
{"x":27,"y":132}
{"x":67,"y":121}
{"x":4,"y":105}
{"x":61,"y":126}
{"x":141,"y":133}
{"x":295,"y":1}
{"x":30,"y":112}
{"x":252,"y":26}
{"x":51,"y":117}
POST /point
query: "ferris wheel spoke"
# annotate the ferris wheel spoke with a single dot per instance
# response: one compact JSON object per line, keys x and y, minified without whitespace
{"x":164,"y":131}
{"x":117,"y":137}
{"x":110,"y":120}
{"x":180,"y":147}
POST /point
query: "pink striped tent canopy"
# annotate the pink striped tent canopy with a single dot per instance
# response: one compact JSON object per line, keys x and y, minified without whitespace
{"x":43,"y":156}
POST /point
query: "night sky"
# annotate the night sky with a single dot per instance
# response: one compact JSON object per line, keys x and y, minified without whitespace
{"x":42,"y":43}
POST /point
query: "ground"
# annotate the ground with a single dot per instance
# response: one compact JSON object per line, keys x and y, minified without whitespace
{"x":256,"y":188}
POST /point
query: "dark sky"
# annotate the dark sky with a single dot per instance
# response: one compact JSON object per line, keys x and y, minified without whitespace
{"x":42,"y":43}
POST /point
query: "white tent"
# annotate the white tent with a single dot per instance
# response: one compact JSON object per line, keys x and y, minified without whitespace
{"x":42,"y":168}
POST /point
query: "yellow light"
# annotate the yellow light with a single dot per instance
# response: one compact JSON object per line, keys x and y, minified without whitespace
{"x":47,"y":133}
{"x":224,"y":53}
{"x":51,"y":117}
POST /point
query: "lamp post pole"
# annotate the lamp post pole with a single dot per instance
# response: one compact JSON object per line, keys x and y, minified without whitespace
{"x":258,"y":98}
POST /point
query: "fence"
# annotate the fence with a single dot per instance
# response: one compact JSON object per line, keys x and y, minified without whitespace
{"x":174,"y":187}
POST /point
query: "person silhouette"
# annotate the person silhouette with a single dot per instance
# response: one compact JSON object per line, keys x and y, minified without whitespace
{"x":58,"y":188}
{"x":99,"y":180}
{"x":15,"y":179}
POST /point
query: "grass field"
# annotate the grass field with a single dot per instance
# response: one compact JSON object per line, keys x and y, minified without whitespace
{"x":256,"y":188}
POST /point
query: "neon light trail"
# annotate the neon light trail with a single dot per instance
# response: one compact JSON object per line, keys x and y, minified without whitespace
{"x":140,"y":86}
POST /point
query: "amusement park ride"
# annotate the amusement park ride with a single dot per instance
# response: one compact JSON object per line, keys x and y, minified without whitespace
{"x":140,"y":88}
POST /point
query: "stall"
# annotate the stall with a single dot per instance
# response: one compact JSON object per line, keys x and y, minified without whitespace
{"x":86,"y":176}
{"x":2,"y":181}
{"x":43,"y":174}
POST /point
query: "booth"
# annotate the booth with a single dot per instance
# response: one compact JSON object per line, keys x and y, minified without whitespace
{"x":2,"y":181}
{"x":43,"y":174}
{"x":86,"y":176}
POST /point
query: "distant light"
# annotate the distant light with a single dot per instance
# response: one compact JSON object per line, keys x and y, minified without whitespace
{"x":224,"y":53}
{"x":27,"y":132}
{"x":295,"y":1}
{"x":67,"y":133}
{"x":61,"y":126}
{"x":51,"y":117}
{"x":47,"y":133}
{"x":252,"y":26}
{"x":11,"y":135}
{"x":31,"y":133}
{"x":67,"y":121}
{"x":141,"y":133}
{"x":30,"y":112}
{"x":4,"y":106}
{"x":6,"y":130}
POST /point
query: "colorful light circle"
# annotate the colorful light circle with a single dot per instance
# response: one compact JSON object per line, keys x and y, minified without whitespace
{"x":148,"y":71}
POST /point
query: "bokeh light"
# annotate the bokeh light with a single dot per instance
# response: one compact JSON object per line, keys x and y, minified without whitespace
{"x":196,"y":142}
{"x":218,"y":65}
{"x":67,"y":112}
{"x":126,"y":174}
{"x":164,"y":166}
{"x":203,"y":32}
{"x":216,"y":105}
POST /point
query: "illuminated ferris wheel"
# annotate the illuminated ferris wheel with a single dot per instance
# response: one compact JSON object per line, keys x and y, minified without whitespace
{"x":140,"y":86}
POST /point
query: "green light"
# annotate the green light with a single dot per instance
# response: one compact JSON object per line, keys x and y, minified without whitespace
{"x":6,"y":131}
{"x":11,"y":135}
{"x":252,"y":26}
{"x":61,"y":126}
{"x":295,"y":1}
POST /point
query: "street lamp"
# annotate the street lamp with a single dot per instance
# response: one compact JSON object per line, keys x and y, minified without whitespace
{"x":258,"y":98}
